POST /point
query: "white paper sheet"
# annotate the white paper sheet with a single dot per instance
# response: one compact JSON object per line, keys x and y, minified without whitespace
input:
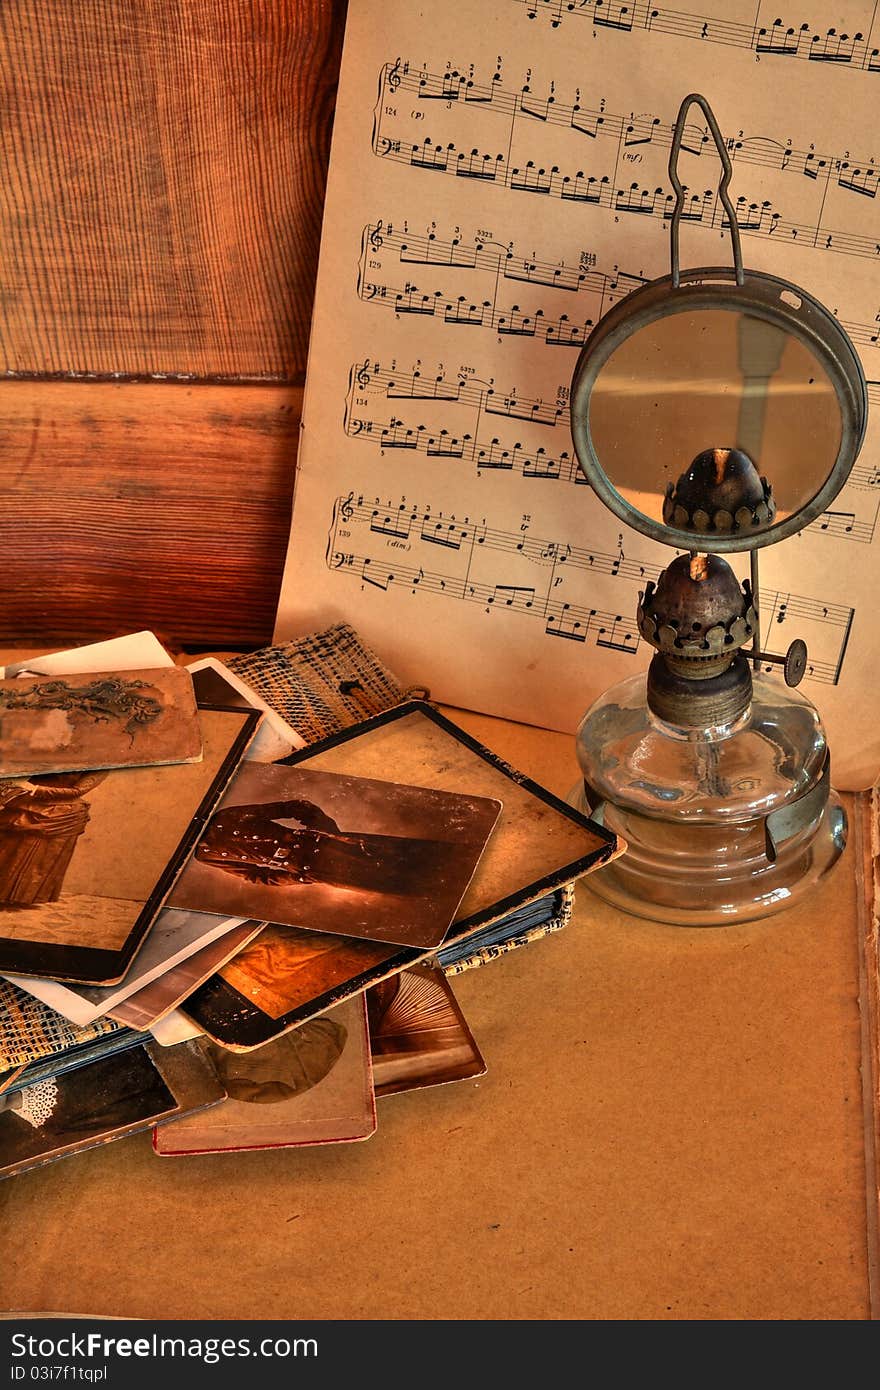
{"x":174,"y":937}
{"x":137,"y":651}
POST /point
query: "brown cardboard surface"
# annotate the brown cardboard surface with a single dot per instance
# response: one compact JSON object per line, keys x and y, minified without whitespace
{"x":671,"y":1128}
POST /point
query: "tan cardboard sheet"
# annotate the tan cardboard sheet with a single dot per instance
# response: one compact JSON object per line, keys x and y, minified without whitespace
{"x":670,"y":1128}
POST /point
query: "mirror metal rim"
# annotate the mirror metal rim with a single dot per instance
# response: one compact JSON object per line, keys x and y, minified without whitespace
{"x":760,"y":295}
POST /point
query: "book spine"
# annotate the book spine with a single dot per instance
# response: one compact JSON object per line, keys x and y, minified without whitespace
{"x":487,"y":953}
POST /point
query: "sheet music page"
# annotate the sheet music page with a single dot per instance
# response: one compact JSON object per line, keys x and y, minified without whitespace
{"x":498,"y":180}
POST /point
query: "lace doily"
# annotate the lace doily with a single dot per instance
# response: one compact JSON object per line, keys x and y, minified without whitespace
{"x":38,"y":1102}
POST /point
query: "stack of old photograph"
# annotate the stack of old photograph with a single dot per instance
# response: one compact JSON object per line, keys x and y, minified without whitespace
{"x":221,"y":927}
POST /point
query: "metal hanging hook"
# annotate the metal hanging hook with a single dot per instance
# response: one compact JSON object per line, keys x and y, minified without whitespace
{"x":677,"y":137}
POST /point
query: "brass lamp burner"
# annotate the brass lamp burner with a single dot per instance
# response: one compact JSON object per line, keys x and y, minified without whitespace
{"x":721,"y":492}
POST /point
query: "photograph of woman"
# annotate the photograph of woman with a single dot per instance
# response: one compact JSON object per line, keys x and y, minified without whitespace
{"x":41,"y":821}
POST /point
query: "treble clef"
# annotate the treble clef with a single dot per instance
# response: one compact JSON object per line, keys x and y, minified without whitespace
{"x":394,"y":76}
{"x":363,"y":377}
{"x":376,"y":238}
{"x":346,"y":510}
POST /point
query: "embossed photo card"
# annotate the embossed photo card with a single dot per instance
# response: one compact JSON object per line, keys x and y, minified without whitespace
{"x":79,"y":723}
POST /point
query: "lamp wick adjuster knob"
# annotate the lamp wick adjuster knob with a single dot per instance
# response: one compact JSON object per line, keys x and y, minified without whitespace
{"x":794,"y":663}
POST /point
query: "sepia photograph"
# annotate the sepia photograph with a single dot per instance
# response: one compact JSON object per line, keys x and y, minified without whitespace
{"x":337,"y":854}
{"x":418,"y":1033}
{"x":105,"y":1100}
{"x":282,"y":977}
{"x":311,"y":1086}
{"x":79,"y":723}
{"x":171,"y":940}
{"x":538,"y":845}
{"x":147,"y":1006}
{"x":86,"y":859}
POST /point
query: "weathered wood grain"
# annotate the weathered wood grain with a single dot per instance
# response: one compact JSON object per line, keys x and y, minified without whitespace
{"x":125,"y":506}
{"x":161,"y":195}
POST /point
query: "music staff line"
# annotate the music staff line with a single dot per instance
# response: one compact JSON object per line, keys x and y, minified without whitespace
{"x":494,"y":258}
{"x":855,"y":174}
{"x":563,"y":619}
{"x":779,"y":40}
{"x":753,"y":218}
{"x":416,"y":386}
{"x":407,"y":521}
{"x":537,"y":465}
{"x":498,"y":261}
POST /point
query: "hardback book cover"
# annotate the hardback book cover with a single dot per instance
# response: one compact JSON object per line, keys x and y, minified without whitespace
{"x":108,"y":1099}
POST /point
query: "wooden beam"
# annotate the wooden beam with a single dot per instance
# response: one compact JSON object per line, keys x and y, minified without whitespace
{"x":164,"y":170}
{"x":125,"y":506}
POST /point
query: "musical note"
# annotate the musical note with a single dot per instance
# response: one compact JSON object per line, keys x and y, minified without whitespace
{"x":642,"y":132}
{"x":776,"y":40}
{"x":620,"y":637}
{"x":834,"y":47}
{"x":566,"y":625}
{"x":586,"y":123}
{"x":859,"y":180}
{"x":409,"y":301}
{"x":844,"y":520}
{"x":380,"y":578}
{"x":444,"y":533}
{"x":601,"y":188}
{"x":512,"y":596}
{"x":603,"y":287}
{"x":477,"y":166}
{"x":388,"y":525}
{"x":423,"y":156}
{"x":414,"y":387}
{"x":461,"y":312}
{"x":783,"y":43}
{"x":560,"y":562}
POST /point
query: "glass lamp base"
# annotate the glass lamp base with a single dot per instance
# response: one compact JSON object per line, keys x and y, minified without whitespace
{"x":710,"y":875}
{"x":724,"y":823}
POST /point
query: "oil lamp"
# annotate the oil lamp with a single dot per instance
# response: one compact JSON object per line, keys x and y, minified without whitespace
{"x":715,"y":410}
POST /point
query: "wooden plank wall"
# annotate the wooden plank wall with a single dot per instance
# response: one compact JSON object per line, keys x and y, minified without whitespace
{"x":160,"y":214}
